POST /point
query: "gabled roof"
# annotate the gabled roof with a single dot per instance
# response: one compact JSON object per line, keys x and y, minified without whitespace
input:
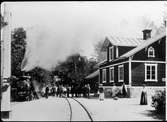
{"x":144,"y":44}
{"x":92,"y":75}
{"x":120,"y":41}
{"x":102,"y":62}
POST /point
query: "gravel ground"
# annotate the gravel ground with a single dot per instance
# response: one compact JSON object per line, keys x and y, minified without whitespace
{"x":78,"y":113}
{"x":57,"y":109}
{"x":123,"y":109}
{"x":51,"y":109}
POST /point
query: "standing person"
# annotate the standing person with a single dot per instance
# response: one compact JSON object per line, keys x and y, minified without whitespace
{"x":65,"y":91}
{"x":60,"y":91}
{"x":114,"y":91}
{"x":68,"y":91}
{"x":43,"y":91}
{"x":143,"y":99}
{"x":72,"y":91}
{"x":46,"y":91}
{"x":50,"y":90}
{"x":124,"y":90}
{"x":53,"y":90}
{"x":88,"y":86}
{"x":101,"y":93}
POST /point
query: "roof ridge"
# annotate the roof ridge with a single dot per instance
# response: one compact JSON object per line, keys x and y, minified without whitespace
{"x":143,"y":45}
{"x":122,"y":37}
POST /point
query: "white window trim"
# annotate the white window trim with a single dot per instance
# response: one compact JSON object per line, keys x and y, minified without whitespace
{"x":119,"y":72}
{"x":117,"y":53}
{"x":146,"y":64}
{"x":110,"y":53}
{"x":151,"y":49}
{"x":110,"y":74}
{"x":103,"y":81}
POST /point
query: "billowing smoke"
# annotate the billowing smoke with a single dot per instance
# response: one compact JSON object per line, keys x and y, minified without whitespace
{"x":61,"y":29}
{"x":45,"y":48}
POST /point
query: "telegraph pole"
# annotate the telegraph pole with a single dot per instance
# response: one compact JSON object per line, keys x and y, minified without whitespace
{"x":166,"y":63}
{"x":6,"y":62}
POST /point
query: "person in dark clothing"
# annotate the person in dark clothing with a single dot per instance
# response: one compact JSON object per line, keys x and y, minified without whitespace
{"x":68,"y":91}
{"x":60,"y":91}
{"x":72,"y":91}
{"x":46,"y":92}
{"x":53,"y":91}
{"x":143,"y":100}
{"x":35,"y":95}
{"x":124,"y":90}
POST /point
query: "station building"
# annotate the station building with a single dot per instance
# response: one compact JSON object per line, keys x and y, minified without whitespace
{"x":133,"y":61}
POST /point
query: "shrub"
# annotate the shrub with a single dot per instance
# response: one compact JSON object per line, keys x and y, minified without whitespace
{"x":158,"y":101}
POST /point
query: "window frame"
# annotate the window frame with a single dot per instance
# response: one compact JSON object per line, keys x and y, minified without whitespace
{"x":120,"y":80}
{"x":111,"y":57}
{"x":104,"y":72}
{"x":152,"y":50}
{"x":156,"y":76}
{"x":111,"y":68}
{"x":117,"y":52}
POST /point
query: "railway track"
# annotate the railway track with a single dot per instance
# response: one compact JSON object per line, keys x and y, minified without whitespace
{"x":71,"y":106}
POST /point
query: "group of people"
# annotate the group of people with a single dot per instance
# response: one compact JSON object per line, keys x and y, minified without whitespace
{"x":124,"y":93}
{"x":67,"y":91}
{"x":114,"y":92}
{"x":56,"y":90}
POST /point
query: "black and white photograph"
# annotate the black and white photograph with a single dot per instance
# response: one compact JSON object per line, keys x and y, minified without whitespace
{"x":83,"y":61}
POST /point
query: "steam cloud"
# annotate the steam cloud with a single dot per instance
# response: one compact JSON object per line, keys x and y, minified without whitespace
{"x":65,"y":29}
{"x":45,"y":48}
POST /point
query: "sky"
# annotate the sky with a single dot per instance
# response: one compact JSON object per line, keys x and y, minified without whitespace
{"x":56,"y":30}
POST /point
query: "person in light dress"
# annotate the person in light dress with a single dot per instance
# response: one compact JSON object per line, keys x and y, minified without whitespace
{"x":101,"y":94}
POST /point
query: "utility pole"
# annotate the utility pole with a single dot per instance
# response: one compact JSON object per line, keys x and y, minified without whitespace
{"x":6,"y":62}
{"x":166,"y":62}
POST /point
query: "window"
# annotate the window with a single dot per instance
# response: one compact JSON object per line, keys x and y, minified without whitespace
{"x":104,"y":76}
{"x":150,"y":72}
{"x":111,"y":53}
{"x":151,"y":52}
{"x":112,"y":74}
{"x":120,"y":73}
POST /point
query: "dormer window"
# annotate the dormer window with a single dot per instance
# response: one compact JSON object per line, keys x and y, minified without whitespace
{"x":111,"y":53}
{"x":151,"y":52}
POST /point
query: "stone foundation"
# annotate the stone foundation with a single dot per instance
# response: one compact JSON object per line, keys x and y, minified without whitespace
{"x":133,"y":92}
{"x":136,"y":91}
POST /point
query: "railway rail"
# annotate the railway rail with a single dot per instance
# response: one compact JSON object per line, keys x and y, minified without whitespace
{"x":81,"y":105}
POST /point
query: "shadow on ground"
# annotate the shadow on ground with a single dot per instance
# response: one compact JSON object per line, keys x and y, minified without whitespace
{"x":155,"y":115}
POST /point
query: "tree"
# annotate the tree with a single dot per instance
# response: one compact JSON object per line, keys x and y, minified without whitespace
{"x":18,"y":45}
{"x":75,"y":68}
{"x":91,"y":66}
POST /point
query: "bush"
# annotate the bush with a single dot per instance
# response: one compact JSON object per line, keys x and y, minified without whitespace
{"x":158,"y":101}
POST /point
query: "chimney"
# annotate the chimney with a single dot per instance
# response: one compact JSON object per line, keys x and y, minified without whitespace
{"x":146,"y":34}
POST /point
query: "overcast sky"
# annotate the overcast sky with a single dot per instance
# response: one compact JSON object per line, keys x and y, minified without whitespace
{"x":57,"y":29}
